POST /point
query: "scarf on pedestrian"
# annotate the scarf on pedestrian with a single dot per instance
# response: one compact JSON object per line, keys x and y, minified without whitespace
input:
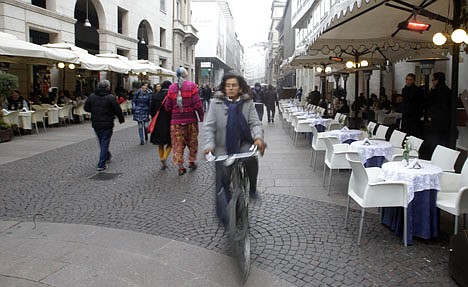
{"x":237,"y":129}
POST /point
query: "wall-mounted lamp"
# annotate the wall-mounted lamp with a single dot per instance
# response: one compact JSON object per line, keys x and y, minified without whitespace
{"x":61,"y":65}
{"x":71,"y":66}
{"x":87,"y":24}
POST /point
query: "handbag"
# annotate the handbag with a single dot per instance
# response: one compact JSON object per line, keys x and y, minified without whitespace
{"x":152,"y":124}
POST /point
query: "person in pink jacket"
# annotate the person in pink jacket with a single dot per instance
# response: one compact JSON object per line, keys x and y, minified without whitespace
{"x":185,"y":106}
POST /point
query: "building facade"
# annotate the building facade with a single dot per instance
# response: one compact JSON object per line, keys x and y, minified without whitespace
{"x":255,"y":69}
{"x":185,"y":37}
{"x":134,"y":29}
{"x":273,"y":55}
{"x":219,"y":50}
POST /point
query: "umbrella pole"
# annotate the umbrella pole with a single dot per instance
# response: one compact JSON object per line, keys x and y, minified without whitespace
{"x":455,"y":74}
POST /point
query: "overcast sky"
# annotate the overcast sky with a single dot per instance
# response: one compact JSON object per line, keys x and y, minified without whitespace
{"x":252,"y":19}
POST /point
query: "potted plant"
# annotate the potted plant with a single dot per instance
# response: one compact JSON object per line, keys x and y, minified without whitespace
{"x":8,"y":83}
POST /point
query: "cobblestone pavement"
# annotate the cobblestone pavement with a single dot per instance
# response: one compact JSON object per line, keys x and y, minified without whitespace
{"x":301,"y":239}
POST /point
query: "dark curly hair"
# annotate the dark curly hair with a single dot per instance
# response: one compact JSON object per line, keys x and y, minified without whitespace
{"x":244,"y":87}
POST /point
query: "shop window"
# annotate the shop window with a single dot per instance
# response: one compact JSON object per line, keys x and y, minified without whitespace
{"x":162,"y":5}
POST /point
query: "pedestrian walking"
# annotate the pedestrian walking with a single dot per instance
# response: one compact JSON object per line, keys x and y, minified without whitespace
{"x":141,"y":110}
{"x":161,"y":134}
{"x":271,"y":99}
{"x":103,"y":108}
{"x":186,"y":109}
{"x":258,"y":99}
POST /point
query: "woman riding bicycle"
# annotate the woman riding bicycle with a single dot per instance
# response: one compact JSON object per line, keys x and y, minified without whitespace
{"x":232,"y":126}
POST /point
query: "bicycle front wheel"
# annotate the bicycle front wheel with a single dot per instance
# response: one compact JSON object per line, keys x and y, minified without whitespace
{"x":242,"y":239}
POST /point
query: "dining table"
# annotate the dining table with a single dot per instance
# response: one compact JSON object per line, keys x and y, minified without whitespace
{"x":422,"y":182}
{"x":373,"y":153}
{"x":345,"y":135}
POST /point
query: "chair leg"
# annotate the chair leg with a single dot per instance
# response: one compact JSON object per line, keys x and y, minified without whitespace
{"x":295,"y":138}
{"x":456,"y":226}
{"x":315,"y":159}
{"x":324,"y":173}
{"x":405,"y":226}
{"x":360,"y":226}
{"x":329,"y":180}
{"x":35,"y":125}
{"x":311,"y":156}
{"x":347,"y":211}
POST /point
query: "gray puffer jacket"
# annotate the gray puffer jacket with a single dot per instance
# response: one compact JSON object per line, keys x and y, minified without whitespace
{"x":216,"y":120}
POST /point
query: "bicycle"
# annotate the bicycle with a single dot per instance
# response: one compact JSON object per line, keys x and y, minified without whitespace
{"x":238,"y":206}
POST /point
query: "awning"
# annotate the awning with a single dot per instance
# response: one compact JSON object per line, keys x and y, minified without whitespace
{"x":145,"y":66}
{"x":84,"y":59}
{"x":14,"y":50}
{"x":117,"y":63}
{"x":369,"y":28}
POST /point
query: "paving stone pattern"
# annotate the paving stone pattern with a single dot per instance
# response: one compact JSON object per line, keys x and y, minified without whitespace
{"x":299,"y":239}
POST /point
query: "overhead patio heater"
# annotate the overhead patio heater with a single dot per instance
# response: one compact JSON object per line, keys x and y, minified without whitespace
{"x":413,"y":25}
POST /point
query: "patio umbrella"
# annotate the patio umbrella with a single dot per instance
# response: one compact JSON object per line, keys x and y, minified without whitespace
{"x":14,"y":50}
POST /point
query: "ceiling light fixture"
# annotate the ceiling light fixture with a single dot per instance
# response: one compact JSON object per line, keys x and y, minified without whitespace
{"x":87,"y":24}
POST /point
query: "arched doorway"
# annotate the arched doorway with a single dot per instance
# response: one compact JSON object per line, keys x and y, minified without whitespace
{"x":143,"y":40}
{"x":86,"y":35}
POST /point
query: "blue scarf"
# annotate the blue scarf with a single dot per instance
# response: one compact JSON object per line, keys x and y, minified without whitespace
{"x":237,"y":129}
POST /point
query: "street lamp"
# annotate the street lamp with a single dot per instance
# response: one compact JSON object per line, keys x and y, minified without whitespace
{"x":367,"y":76}
{"x":345,"y":79}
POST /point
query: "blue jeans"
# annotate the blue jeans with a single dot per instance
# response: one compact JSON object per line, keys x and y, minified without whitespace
{"x":104,"y":138}
{"x":142,"y":131}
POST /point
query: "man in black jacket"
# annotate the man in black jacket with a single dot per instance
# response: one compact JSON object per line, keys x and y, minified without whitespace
{"x":412,"y":107}
{"x":103,"y":107}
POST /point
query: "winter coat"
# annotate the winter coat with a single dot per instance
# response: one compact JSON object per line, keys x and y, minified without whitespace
{"x":161,"y":134}
{"x":191,"y":104}
{"x":103,"y":108}
{"x":440,"y":108}
{"x":216,"y":121}
{"x":141,"y":105}
{"x":270,"y":98}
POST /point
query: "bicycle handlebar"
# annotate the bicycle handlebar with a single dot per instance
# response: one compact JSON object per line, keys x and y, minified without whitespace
{"x":229,"y":159}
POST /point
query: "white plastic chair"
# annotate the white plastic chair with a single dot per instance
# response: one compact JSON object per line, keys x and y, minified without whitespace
{"x":318,"y":144}
{"x":453,"y":196}
{"x":334,"y":126}
{"x":396,"y":139}
{"x":414,"y":152}
{"x":38,"y":116}
{"x":371,"y":127}
{"x":381,"y":132}
{"x":335,"y":158}
{"x":13,"y":120}
{"x":301,"y":126}
{"x":367,"y":191}
{"x":444,"y":158}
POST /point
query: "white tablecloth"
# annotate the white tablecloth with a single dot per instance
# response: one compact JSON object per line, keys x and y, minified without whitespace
{"x":318,"y":121}
{"x":24,"y":120}
{"x":52,"y":116}
{"x":344,"y":135}
{"x":427,"y":177}
{"x":376,"y":148}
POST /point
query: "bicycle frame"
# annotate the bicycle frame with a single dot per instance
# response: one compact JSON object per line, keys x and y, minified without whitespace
{"x":237,"y":209}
